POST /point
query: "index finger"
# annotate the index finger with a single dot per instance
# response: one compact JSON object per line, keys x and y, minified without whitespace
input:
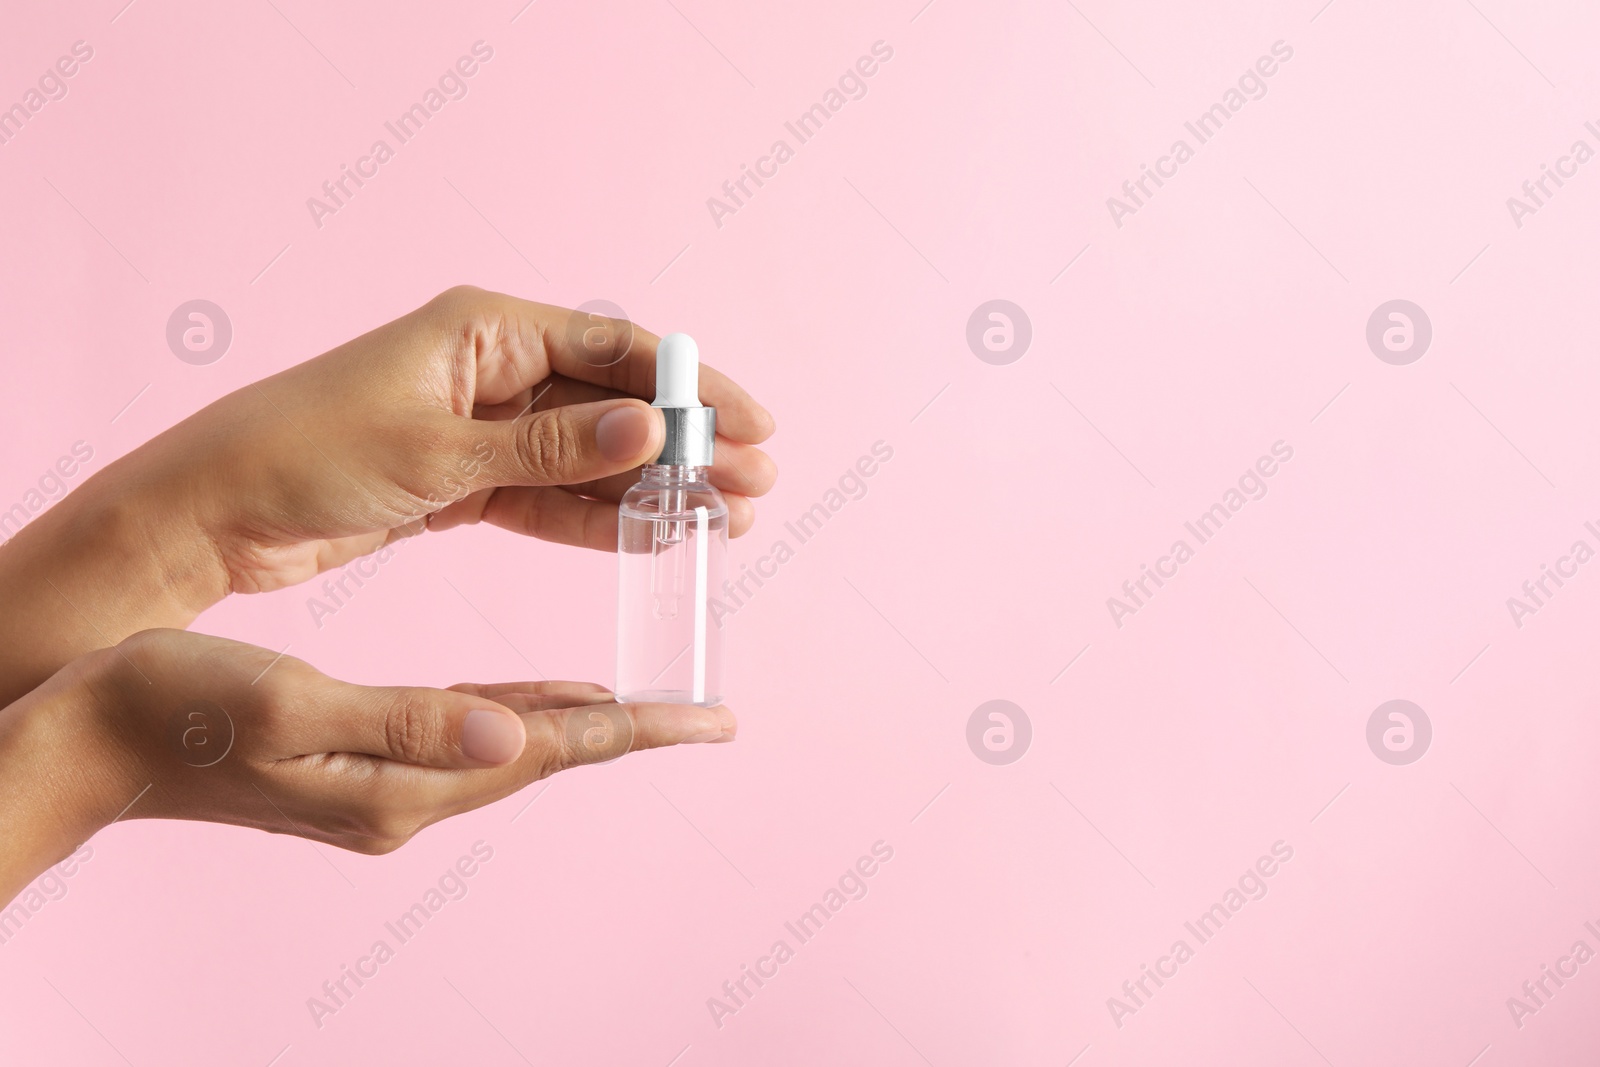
{"x":518,"y":342}
{"x":558,"y":739}
{"x":739,"y":416}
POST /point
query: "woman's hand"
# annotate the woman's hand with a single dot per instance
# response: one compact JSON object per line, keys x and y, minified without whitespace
{"x":175,"y":725}
{"x":475,"y":407}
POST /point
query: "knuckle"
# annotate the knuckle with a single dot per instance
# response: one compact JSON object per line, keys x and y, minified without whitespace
{"x":553,"y":760}
{"x":278,"y":695}
{"x":546,"y":447}
{"x":596,"y":733}
{"x":464,"y":315}
{"x":549,"y":751}
{"x":280,"y":674}
{"x":537,"y":510}
{"x":154,"y":652}
{"x":412,"y":732}
{"x":274,"y":686}
{"x":143,"y":643}
{"x":457,"y":298}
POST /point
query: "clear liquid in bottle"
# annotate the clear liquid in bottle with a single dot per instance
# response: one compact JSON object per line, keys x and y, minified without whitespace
{"x":672,"y":546}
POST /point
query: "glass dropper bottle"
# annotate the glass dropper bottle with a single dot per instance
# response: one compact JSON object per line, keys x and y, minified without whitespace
{"x":672,"y":544}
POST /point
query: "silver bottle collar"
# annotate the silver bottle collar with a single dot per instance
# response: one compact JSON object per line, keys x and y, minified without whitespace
{"x":691,"y":437}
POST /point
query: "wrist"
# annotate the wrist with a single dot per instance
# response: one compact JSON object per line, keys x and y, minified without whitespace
{"x":62,"y":784}
{"x":151,"y":537}
{"x":113,"y":558}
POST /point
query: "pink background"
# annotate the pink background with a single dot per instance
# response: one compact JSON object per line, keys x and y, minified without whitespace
{"x":1228,"y":714}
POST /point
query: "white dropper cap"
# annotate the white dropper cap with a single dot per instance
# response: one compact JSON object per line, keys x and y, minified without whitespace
{"x":691,"y":429}
{"x":677,"y":372}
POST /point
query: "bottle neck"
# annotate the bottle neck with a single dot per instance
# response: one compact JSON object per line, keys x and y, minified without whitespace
{"x":670,"y":474}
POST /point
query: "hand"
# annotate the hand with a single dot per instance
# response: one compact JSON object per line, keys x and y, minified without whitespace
{"x":476,"y":407}
{"x":187,"y":726}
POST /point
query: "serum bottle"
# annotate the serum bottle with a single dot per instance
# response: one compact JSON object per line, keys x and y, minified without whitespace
{"x":672,"y":546}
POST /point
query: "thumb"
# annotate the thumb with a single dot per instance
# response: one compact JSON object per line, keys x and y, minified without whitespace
{"x":571,"y":444}
{"x":426,"y":728}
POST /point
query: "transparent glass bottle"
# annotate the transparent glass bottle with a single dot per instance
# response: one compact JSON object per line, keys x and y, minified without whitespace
{"x":672,"y":549}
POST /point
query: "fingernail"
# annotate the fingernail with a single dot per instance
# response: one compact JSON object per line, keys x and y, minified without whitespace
{"x":621,"y":432}
{"x":491,"y":736}
{"x":703,"y":736}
